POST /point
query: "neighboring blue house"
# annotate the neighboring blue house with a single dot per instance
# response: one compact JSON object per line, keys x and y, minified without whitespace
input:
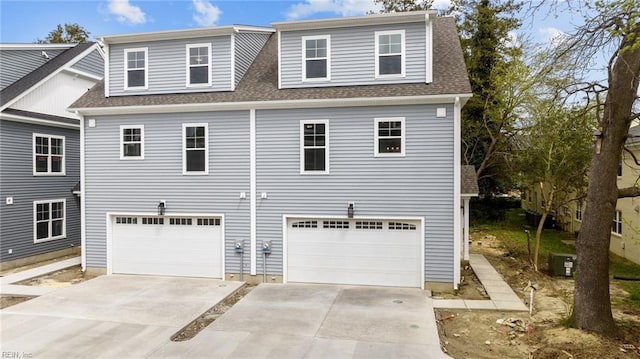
{"x":40,"y":148}
{"x":319,"y":151}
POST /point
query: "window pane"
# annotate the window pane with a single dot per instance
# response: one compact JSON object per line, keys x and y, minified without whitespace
{"x":42,"y":230}
{"x":42,"y":145}
{"x":200,"y":142}
{"x":131,"y":150}
{"x":56,"y":164}
{"x":200,"y":131}
{"x":57,"y":210}
{"x":389,"y":145}
{"x":316,"y":69}
{"x":390,"y":65}
{"x":309,"y":140}
{"x":199,"y":75}
{"x":320,"y":129}
{"x":56,"y":228}
{"x":42,"y":163}
{"x":383,"y":40}
{"x":195,"y":160}
{"x":56,"y":146}
{"x":320,"y":140}
{"x":314,"y":159}
{"x":198,"y":56}
{"x":135,"y":78}
{"x":42,"y":211}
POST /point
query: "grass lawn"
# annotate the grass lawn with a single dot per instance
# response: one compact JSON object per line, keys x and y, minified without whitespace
{"x":511,"y":233}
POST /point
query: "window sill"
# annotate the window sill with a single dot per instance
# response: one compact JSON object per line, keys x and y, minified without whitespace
{"x":616,"y":234}
{"x":317,"y":80}
{"x":198,"y":86}
{"x":383,"y":155}
{"x":195,"y":173}
{"x":136,"y":88}
{"x":314,"y":173}
{"x":42,"y":174}
{"x":44,"y":240}
{"x":132,"y":158}
{"x":390,"y":77}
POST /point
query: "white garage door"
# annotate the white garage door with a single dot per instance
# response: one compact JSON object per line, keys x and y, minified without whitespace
{"x":364,"y":252}
{"x":173,"y":246}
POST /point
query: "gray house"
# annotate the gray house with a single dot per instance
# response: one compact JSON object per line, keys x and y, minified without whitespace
{"x":319,"y":151}
{"x":40,"y":148}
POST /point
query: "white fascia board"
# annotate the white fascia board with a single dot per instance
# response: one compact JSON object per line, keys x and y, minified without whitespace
{"x":51,"y":75}
{"x":273,"y":105}
{"x":37,"y":121}
{"x":180,"y":34}
{"x":83,"y":74}
{"x":36,"y":46}
{"x":366,"y":20}
{"x":258,"y":29}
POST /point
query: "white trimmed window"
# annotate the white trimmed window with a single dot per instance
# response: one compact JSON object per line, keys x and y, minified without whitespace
{"x":579,"y":210}
{"x":136,"y":66}
{"x":49,"y":220}
{"x":48,"y":155}
{"x":616,"y":226}
{"x":199,"y":64}
{"x":390,"y":57}
{"x":389,"y":137}
{"x":195,"y":144}
{"x":316,"y":58}
{"x":314,"y":147}
{"x":132,"y":142}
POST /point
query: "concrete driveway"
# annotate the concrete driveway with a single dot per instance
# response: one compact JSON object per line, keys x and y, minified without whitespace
{"x":135,"y":316}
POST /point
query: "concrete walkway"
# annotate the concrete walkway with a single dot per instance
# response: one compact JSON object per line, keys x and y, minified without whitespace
{"x":500,"y":293}
{"x":8,"y":288}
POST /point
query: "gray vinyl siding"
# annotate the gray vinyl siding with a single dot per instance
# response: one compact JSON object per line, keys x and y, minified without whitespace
{"x":92,"y":63}
{"x":167,"y":66}
{"x":116,"y":186}
{"x":353,"y":56}
{"x":15,"y":64}
{"x":17,"y":181}
{"x":419,"y":184}
{"x":247,"y":47}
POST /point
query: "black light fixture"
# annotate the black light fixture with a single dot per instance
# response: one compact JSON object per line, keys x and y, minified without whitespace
{"x":350,"y":210}
{"x":161,"y":208}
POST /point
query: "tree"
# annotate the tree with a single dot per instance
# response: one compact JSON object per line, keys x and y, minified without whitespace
{"x":69,"y":33}
{"x":612,"y":28}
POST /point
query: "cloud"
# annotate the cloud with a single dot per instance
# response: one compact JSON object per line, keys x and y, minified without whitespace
{"x":552,"y":35}
{"x":441,"y":4}
{"x":126,"y":12}
{"x":341,"y":7}
{"x":206,"y":13}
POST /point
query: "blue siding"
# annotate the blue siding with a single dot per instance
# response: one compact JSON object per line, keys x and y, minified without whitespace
{"x":248,"y":45}
{"x":16,"y":64}
{"x":17,"y":181}
{"x":353,"y":56}
{"x":92,"y":63}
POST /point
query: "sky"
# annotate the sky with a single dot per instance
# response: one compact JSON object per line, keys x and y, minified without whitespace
{"x":25,"y":21}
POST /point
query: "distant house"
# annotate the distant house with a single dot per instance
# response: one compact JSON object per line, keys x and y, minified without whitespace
{"x":625,"y":226}
{"x":319,"y":151}
{"x":40,"y":147}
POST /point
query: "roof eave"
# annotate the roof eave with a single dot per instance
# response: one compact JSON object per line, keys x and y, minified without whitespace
{"x":376,"y":19}
{"x":181,"y":34}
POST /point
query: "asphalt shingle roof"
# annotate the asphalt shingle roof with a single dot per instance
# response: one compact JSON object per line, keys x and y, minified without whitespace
{"x":260,"y":83}
{"x":25,"y":83}
{"x":42,"y":116}
{"x":469,"y":180}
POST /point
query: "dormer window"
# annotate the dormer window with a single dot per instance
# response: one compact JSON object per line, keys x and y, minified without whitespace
{"x":316,"y":58}
{"x":135,"y":64}
{"x":199,"y":65}
{"x":390,"y":54}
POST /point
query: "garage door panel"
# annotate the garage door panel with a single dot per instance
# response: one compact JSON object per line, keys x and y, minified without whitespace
{"x":354,"y":252}
{"x":166,"y":249}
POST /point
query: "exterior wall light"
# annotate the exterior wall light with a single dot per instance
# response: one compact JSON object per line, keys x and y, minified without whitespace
{"x":350,"y":209}
{"x":162,"y":206}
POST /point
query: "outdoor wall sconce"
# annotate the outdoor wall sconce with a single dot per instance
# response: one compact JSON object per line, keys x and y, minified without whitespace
{"x":597,"y":139}
{"x":350,"y":209}
{"x":162,"y":206}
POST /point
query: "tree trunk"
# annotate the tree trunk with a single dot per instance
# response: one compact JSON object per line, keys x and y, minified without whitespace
{"x":592,"y":305}
{"x":538,"y":235}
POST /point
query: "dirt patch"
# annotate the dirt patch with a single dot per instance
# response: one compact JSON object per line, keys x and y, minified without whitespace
{"x":208,"y":317}
{"x":6,"y":272}
{"x":486,"y":334}
{"x":470,"y":287}
{"x":59,"y":279}
{"x":9,"y":300}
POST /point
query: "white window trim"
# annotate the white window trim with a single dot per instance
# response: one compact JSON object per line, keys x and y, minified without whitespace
{"x":129,"y":158}
{"x":326,"y":147}
{"x":184,"y":149}
{"x":617,"y":219}
{"x":403,"y":137}
{"x":146,"y":68}
{"x":304,"y":58}
{"x":35,"y":221}
{"x":188,"y":65}
{"x":579,"y":209}
{"x":402,"y":54}
{"x":64,"y":155}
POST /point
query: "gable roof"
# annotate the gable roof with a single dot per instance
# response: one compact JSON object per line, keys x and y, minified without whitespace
{"x":17,"y":60}
{"x":25,"y":83}
{"x":469,"y":181}
{"x":260,"y":83}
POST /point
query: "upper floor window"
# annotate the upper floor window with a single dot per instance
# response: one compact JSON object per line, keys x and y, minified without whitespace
{"x":136,"y":68}
{"x":314,"y":146}
{"x":389,"y":136}
{"x":48,"y":155}
{"x":579,"y":210}
{"x":390,"y":53}
{"x":316,"y":59}
{"x":195,"y":158}
{"x":49,"y":220}
{"x":199,"y":65}
{"x":616,"y":226}
{"x":620,"y":169}
{"x":132,"y":142}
